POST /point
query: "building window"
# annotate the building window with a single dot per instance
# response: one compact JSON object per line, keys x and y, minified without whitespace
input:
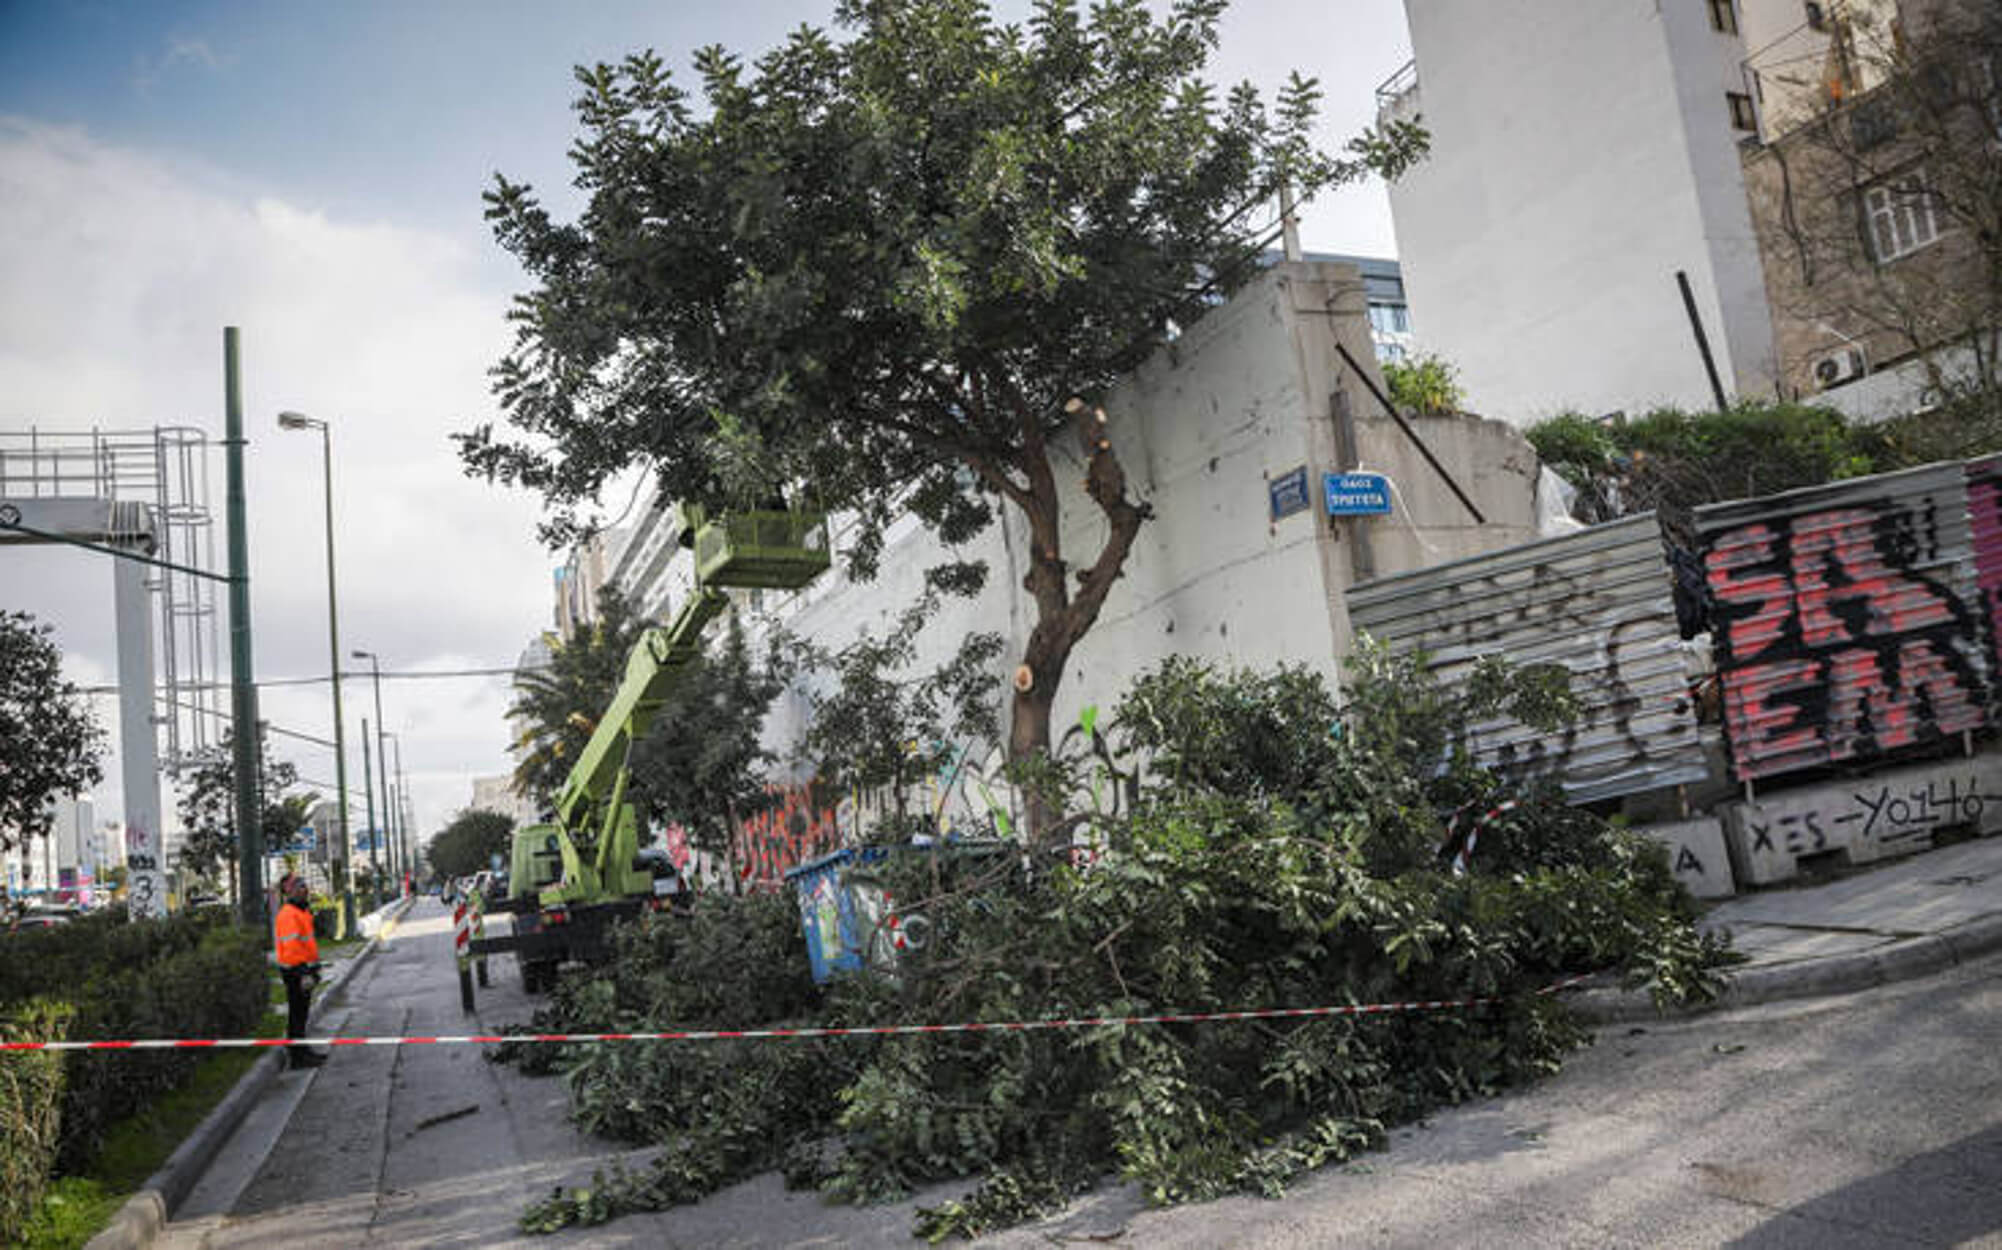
{"x":1389,"y":318}
{"x":1899,"y":217}
{"x":1723,"y":17}
{"x":1743,"y":115}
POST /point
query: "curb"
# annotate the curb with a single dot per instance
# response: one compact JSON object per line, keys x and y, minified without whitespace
{"x":139,"y":1220}
{"x":1898,"y":960}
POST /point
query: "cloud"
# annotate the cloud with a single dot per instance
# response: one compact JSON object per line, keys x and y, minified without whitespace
{"x":149,"y":71}
{"x":122,"y":268}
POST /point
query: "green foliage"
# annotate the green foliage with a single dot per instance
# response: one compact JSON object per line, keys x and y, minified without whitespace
{"x":78,"y":1207}
{"x":1303,"y":869}
{"x":701,"y":758}
{"x":184,"y":975}
{"x":208,"y":808}
{"x":468,"y":844}
{"x":1965,"y":426}
{"x":559,"y":706}
{"x":1672,"y":459}
{"x":1426,"y":384}
{"x":880,"y":731}
{"x":49,"y":743}
{"x":31,"y":1099}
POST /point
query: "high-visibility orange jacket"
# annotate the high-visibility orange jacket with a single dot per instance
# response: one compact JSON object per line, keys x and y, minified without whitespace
{"x":295,"y":941}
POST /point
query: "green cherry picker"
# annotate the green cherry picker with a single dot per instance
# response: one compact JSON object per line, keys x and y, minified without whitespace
{"x":570,"y":879}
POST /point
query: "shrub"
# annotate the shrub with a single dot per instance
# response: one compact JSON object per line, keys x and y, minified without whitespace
{"x":187,"y":974}
{"x":31,"y":1089}
{"x":1672,"y":459}
{"x":1426,"y":385}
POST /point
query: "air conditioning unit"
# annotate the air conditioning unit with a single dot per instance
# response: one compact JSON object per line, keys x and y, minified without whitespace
{"x":1844,"y":364}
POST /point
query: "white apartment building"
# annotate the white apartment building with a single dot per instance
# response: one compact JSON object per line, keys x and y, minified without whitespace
{"x":578,"y":579}
{"x":1583,"y":153}
{"x":496,"y":794}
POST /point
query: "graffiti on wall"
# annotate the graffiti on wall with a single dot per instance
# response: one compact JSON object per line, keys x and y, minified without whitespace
{"x":1891,"y":813}
{"x":798,"y":825}
{"x":1838,"y":635}
{"x":1599,"y":604}
{"x":1984,"y":514}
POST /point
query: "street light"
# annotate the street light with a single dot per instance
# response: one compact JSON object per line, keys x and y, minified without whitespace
{"x":300,"y":421}
{"x":382,"y":759}
{"x":405,"y":809}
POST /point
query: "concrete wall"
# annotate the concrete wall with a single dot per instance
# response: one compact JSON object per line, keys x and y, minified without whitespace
{"x":1582,"y":154}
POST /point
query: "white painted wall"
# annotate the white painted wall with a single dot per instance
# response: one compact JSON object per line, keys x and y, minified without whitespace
{"x":1582,"y":153}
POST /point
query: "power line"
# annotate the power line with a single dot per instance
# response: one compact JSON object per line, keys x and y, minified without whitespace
{"x":356,"y":674}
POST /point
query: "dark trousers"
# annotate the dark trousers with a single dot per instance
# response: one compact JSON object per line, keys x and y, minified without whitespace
{"x":297,"y":1001}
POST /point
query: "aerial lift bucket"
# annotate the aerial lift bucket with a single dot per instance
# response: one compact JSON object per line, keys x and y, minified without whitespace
{"x":773,"y":550}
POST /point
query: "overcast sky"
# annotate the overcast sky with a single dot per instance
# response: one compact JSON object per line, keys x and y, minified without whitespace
{"x":312,"y":174}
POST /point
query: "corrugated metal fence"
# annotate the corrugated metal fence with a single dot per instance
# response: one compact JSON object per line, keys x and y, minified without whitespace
{"x":1848,"y":622}
{"x":1598,"y":602}
{"x":1846,"y":619}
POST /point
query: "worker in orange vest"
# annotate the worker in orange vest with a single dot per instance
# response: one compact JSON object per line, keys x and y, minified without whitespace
{"x":298,"y":964}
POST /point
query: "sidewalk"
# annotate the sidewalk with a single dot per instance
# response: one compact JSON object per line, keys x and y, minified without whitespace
{"x":1892,"y":921}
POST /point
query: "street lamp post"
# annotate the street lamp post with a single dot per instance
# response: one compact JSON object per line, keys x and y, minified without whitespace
{"x":300,"y":421}
{"x":382,"y":760}
{"x":405,"y":808}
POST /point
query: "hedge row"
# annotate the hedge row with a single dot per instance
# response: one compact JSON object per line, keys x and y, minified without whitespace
{"x":187,"y":975}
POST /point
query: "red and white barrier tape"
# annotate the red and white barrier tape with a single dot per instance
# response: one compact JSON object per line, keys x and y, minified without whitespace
{"x":1466,"y":851}
{"x":733,"y":1035}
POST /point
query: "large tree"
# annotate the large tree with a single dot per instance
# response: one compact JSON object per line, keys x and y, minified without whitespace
{"x":556,"y":709}
{"x":881,"y":268}
{"x":470,"y":842}
{"x":208,"y":808}
{"x":50,"y":744}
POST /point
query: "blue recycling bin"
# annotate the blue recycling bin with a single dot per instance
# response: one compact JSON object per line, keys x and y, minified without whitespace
{"x":838,"y":925}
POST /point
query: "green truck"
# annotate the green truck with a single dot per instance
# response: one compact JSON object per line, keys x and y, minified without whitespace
{"x":563,"y":899}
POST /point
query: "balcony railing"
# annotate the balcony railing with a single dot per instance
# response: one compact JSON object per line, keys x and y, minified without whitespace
{"x":1394,"y":90}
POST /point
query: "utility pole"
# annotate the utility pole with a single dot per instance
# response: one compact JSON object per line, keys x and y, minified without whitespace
{"x":243,"y":686}
{"x":403,"y":795}
{"x":374,"y":834}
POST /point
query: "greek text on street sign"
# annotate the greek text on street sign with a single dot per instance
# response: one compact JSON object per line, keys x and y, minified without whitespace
{"x":1288,"y":493}
{"x":1357,"y":494}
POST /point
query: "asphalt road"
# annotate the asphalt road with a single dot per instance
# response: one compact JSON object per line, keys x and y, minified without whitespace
{"x":1871,"y":1119}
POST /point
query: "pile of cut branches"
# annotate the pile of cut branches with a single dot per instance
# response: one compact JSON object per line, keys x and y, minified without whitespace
{"x":1274,"y":852}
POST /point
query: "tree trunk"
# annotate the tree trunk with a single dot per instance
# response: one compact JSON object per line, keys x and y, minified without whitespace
{"x":1061,"y":620}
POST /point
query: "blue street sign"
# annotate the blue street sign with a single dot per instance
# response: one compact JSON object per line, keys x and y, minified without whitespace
{"x":1357,"y":494}
{"x":1287,"y":493}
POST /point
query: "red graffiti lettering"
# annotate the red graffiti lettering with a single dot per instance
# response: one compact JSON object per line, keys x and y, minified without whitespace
{"x":1757,"y":721}
{"x":1924,"y":672}
{"x":1834,"y":641}
{"x":1768,"y":590}
{"x":1862,"y":707}
{"x":784,"y":836}
{"x":1843,"y":541}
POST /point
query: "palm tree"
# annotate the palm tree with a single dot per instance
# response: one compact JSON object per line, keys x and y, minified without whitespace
{"x":558,"y":707}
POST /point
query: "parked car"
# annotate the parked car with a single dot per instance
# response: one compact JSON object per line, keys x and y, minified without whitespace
{"x":45,"y":917}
